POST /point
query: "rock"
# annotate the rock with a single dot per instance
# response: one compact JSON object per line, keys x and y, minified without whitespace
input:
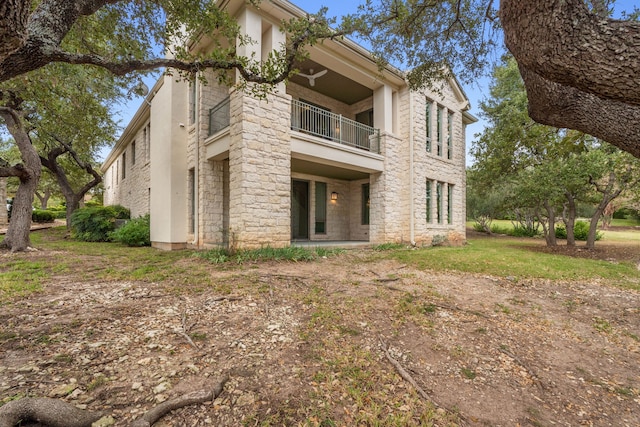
{"x":104,"y":422}
{"x":63,"y":390}
{"x":163,"y":386}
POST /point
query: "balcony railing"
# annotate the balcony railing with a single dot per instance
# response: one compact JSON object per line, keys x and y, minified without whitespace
{"x":219,"y":117}
{"x":317,"y":121}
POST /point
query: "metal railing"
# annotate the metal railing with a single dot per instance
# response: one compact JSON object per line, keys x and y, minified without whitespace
{"x":219,"y":117}
{"x":317,"y":121}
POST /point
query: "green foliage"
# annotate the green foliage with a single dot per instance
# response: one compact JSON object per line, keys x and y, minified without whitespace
{"x":501,"y":229}
{"x":94,"y":224}
{"x":389,"y":246}
{"x":135,"y":232}
{"x":43,"y":216}
{"x":267,"y":253}
{"x":580,"y":231}
{"x":524,"y":231}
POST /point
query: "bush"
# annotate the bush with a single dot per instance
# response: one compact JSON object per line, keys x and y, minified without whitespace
{"x":95,"y":223}
{"x":580,"y":231}
{"x":135,"y":232}
{"x":59,"y":211}
{"x":523,"y":231}
{"x":41,"y":216}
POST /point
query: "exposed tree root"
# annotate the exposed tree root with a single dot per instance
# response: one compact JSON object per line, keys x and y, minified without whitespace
{"x":49,"y":412}
{"x":193,"y":398}
{"x":408,"y":378}
{"x":57,"y":413}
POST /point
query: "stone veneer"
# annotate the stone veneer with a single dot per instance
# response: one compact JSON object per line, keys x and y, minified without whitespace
{"x":132,"y":191}
{"x":244,"y":200}
{"x":260,"y":171}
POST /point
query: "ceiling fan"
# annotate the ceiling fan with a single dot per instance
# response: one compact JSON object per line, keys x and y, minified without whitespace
{"x":312,"y":77}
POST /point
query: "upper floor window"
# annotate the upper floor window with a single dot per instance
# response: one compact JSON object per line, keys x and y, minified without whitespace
{"x":133,"y":153}
{"x":428,"y":125}
{"x":192,"y":102}
{"x":449,"y":135}
{"x":124,"y":165}
{"x":440,"y":130}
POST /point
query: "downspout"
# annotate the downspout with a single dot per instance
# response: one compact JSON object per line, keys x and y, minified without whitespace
{"x":411,"y":177}
{"x":196,"y":169}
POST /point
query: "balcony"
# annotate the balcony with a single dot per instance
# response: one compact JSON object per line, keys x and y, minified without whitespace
{"x":319,"y":122}
{"x":311,"y":120}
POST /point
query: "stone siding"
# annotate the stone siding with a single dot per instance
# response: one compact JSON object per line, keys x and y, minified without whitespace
{"x":260,"y":171}
{"x":132,"y":191}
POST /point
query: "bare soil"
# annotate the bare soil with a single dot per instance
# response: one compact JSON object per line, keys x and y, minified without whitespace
{"x":304,"y":344}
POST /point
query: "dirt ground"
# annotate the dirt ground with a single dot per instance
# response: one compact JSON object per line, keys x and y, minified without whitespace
{"x":312,"y":344}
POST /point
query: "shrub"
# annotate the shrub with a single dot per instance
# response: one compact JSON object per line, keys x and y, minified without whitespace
{"x":95,"y":223}
{"x":500,"y":229}
{"x":42,"y":216}
{"x":135,"y":232}
{"x":580,"y":231}
{"x":522,"y":231}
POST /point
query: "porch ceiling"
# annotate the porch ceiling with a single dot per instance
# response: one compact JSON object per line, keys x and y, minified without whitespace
{"x":311,"y":168}
{"x":332,"y":84}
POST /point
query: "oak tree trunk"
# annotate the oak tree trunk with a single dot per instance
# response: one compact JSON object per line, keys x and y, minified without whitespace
{"x":17,"y":237}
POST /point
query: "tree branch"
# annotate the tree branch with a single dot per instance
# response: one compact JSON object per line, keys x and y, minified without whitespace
{"x":564,"y":42}
{"x":562,"y":106}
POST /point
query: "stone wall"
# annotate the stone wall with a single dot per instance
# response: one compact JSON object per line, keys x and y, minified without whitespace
{"x":260,"y":171}
{"x":132,"y":191}
{"x":438,"y":168}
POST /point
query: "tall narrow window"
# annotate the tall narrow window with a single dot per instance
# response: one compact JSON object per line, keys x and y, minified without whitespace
{"x":192,"y":200}
{"x":449,"y":135}
{"x":428,"y":125}
{"x":439,"y":130}
{"x":124,"y":165}
{"x":429,"y":200}
{"x":439,"y":202}
{"x":147,"y":140}
{"x":192,"y":102}
{"x":321,"y":207}
{"x":366,"y":203}
{"x":450,"y":203}
{"x":133,"y":153}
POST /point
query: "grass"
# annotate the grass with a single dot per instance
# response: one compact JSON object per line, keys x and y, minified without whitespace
{"x":507,"y":257}
{"x":21,"y":277}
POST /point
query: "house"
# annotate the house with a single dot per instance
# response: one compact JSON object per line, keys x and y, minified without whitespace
{"x":341,"y":152}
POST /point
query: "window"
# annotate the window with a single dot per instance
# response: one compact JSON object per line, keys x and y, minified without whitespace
{"x":124,"y":165}
{"x":439,"y":130}
{"x":450,"y":204}
{"x":192,"y":200}
{"x":429,"y":199}
{"x":366,"y":202}
{"x":147,"y":140}
{"x":321,"y":207}
{"x":449,"y":135}
{"x":133,"y":153}
{"x":439,"y":202}
{"x":428,"y":125}
{"x":192,"y":102}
